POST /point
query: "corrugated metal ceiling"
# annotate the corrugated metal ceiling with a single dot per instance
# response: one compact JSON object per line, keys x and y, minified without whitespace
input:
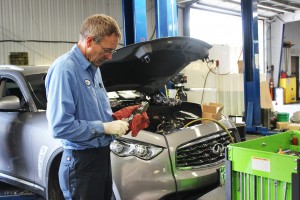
{"x":266,"y":8}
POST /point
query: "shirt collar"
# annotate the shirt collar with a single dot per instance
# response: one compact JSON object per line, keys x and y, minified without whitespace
{"x":84,"y":63}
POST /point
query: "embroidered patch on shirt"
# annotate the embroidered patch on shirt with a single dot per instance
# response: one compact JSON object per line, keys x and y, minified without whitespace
{"x":87,"y":82}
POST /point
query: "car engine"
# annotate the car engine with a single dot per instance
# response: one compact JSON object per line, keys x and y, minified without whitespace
{"x":165,"y":114}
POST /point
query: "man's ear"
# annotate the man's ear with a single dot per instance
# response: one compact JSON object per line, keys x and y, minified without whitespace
{"x":89,"y":41}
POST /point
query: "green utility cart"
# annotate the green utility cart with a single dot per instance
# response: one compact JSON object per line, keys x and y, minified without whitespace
{"x":266,"y":168}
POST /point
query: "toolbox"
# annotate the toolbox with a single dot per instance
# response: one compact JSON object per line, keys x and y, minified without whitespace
{"x":266,"y":168}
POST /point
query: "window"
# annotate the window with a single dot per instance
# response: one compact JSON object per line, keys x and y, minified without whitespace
{"x":36,"y":84}
{"x":216,"y":28}
{"x":11,"y":88}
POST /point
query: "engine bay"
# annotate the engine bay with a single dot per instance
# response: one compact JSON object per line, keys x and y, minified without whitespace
{"x":166,"y":115}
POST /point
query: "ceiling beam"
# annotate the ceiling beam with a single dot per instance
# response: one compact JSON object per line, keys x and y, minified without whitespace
{"x":287,"y":3}
{"x":280,"y":4}
{"x":218,"y":7}
{"x":272,"y":7}
{"x":221,"y":11}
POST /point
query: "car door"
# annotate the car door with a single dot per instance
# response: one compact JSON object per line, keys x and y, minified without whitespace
{"x":15,"y":139}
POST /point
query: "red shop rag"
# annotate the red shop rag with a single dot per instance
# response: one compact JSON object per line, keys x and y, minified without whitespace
{"x":138,"y":122}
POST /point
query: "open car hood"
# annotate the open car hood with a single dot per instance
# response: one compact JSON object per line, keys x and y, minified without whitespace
{"x":148,"y":66}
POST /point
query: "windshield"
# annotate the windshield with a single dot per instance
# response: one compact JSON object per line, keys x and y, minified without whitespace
{"x":36,"y":83}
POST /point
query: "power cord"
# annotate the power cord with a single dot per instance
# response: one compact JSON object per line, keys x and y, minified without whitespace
{"x":204,"y":86}
{"x":210,"y":71}
{"x":213,"y":120}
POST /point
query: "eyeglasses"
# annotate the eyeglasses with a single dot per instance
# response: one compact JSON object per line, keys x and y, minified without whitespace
{"x":108,"y":50}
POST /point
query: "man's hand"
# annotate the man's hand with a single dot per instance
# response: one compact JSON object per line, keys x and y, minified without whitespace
{"x":117,"y":127}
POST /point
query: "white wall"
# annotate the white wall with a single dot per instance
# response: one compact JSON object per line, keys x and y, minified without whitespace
{"x":55,"y":20}
{"x":45,"y":20}
{"x":222,"y":85}
{"x":201,"y":91}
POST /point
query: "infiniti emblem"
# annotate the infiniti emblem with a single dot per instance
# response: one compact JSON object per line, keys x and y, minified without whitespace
{"x":218,"y":149}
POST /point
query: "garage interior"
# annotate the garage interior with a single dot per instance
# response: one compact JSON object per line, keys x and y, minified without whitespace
{"x":252,"y":79}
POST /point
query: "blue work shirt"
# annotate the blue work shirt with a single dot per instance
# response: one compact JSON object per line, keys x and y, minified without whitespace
{"x":77,"y":102}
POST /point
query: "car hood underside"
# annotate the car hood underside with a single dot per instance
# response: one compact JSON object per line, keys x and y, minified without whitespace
{"x":147,"y":66}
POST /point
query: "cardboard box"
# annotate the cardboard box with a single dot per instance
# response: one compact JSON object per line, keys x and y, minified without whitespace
{"x":282,"y":125}
{"x":216,"y":116}
{"x":294,"y":126}
{"x":212,"y":111}
{"x":240,"y":66}
{"x":265,"y":96}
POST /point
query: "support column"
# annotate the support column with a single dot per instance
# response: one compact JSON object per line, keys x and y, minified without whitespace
{"x":134,"y":21}
{"x":166,"y":18}
{"x":251,"y":63}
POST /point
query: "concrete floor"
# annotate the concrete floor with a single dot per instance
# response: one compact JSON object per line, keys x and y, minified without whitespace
{"x":217,"y":194}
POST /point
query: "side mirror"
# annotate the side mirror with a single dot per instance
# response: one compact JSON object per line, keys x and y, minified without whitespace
{"x":9,"y":103}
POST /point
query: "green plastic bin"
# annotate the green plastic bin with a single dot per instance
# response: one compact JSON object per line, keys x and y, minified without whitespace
{"x":255,"y":170}
{"x":283,"y":117}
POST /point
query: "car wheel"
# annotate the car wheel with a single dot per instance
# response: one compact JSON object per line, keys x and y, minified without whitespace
{"x":54,"y":191}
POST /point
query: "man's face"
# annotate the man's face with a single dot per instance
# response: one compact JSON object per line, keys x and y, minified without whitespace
{"x":98,"y":53}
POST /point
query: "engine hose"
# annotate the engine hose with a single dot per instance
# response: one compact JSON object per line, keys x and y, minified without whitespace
{"x":213,"y":120}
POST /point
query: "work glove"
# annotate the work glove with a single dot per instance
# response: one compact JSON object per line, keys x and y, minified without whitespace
{"x":117,"y":127}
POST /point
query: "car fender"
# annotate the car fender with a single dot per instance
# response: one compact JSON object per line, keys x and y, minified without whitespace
{"x":52,"y":162}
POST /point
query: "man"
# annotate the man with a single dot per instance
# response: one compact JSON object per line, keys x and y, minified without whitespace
{"x":79,"y":112}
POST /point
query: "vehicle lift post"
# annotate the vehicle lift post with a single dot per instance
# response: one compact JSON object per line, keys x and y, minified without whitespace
{"x":134,"y":21}
{"x":166,"y":18}
{"x":251,"y":67}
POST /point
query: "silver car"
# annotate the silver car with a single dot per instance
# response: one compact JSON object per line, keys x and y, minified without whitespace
{"x":176,"y":157}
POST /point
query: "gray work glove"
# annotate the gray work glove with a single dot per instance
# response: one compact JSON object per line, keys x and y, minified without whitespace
{"x":117,"y":127}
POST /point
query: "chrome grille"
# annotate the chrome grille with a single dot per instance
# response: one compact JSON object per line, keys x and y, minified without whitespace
{"x":205,"y":152}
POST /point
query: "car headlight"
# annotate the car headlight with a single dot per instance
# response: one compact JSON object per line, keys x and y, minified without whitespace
{"x":141,"y":150}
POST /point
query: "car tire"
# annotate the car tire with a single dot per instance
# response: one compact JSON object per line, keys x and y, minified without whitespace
{"x":54,"y":191}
